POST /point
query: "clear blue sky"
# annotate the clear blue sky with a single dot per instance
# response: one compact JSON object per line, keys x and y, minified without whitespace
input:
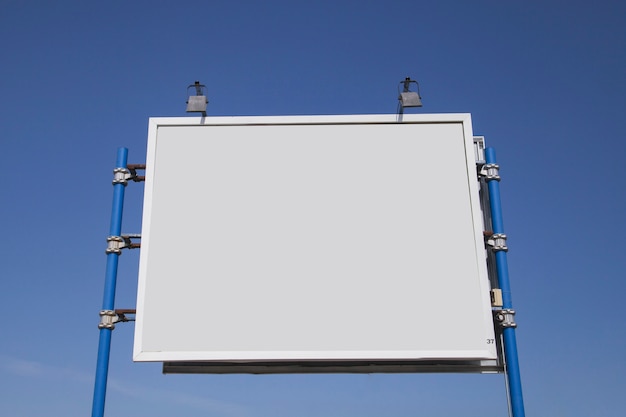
{"x":545,"y":83}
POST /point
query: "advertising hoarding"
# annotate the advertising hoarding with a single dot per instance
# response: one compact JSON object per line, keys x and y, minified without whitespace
{"x":307,"y":240}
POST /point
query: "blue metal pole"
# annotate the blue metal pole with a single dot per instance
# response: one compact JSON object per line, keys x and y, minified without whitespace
{"x":508,"y":333}
{"x":108,"y":303}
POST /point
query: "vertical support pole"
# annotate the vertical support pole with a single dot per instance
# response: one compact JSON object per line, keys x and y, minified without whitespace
{"x":108,"y":303}
{"x":508,"y":333}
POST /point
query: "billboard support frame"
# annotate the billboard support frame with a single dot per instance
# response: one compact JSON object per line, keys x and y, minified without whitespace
{"x":108,"y":304}
{"x":507,"y":325}
{"x":511,"y":367}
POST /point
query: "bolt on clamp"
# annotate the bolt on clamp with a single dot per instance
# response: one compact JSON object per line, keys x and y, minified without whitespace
{"x":121,"y":176}
{"x":107,"y":319}
{"x":505,"y":317}
{"x":115,"y":245}
{"x":497,"y":241}
{"x":490,"y":172}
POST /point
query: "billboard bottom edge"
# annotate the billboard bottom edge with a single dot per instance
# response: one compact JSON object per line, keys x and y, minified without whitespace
{"x":318,"y":366}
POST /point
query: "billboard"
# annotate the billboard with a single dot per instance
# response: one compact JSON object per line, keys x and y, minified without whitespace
{"x":313,"y":242}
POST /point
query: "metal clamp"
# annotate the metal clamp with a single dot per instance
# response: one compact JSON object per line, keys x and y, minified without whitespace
{"x":115,"y":245}
{"x":505,"y":317}
{"x":107,"y":319}
{"x":497,"y":241}
{"x":121,"y":176}
{"x":490,"y":172}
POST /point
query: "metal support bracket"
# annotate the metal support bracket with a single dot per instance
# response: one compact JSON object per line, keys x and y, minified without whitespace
{"x":496,"y":297}
{"x":107,"y":319}
{"x":133,"y":172}
{"x":122,"y":315}
{"x":505,"y":318}
{"x":115,"y":244}
{"x":122,"y":175}
{"x":490,"y":172}
{"x":497,"y":241}
{"x":128,"y":243}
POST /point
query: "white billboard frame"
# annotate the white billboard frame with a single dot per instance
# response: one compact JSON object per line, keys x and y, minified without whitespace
{"x":155,"y":319}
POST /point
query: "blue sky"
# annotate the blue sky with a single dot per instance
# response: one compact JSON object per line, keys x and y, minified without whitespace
{"x":545,"y":83}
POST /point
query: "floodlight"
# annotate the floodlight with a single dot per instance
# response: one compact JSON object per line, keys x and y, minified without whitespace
{"x":408,"y":98}
{"x":197,"y":103}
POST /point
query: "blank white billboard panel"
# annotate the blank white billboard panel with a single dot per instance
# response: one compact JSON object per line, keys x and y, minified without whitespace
{"x":312,"y":239}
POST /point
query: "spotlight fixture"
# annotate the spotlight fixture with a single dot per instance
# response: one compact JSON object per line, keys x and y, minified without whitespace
{"x":197,"y":103}
{"x":408,"y":98}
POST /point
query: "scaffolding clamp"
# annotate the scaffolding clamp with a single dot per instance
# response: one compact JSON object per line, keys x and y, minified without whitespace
{"x":490,"y":172}
{"x":505,"y":317}
{"x":121,"y":176}
{"x":115,"y":244}
{"x":107,"y":319}
{"x":497,"y":241}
